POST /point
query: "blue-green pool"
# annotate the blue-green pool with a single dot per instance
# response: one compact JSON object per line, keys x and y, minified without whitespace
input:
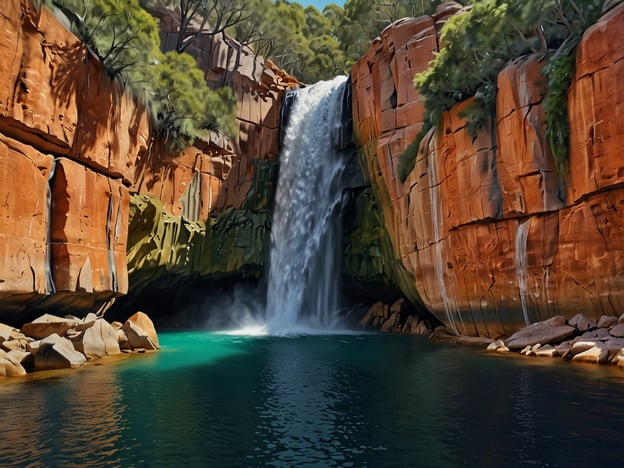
{"x":349,"y":400}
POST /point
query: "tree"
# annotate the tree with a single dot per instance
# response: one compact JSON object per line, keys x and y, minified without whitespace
{"x":125,"y":38}
{"x":121,"y":34}
{"x":363,"y":20}
{"x":478,"y":44}
{"x":183,"y":105}
{"x":201,"y":17}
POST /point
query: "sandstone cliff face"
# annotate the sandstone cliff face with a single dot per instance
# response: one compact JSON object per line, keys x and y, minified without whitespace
{"x":492,"y":240}
{"x":64,"y":167}
{"x":259,"y":87}
{"x":74,"y":146}
{"x":205,"y":211}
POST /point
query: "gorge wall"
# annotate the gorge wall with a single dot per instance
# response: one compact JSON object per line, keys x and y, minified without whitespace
{"x":95,"y":209}
{"x":490,"y":240}
{"x":80,"y":169}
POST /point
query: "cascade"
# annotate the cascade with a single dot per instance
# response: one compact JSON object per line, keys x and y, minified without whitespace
{"x":436,"y":222}
{"x":522,"y":267}
{"x":303,"y":267}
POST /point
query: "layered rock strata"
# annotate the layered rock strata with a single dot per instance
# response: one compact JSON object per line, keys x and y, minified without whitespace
{"x":74,"y":146}
{"x":65,"y":166}
{"x":494,"y":242}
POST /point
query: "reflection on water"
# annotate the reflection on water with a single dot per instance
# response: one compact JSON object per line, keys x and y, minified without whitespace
{"x":52,"y":421}
{"x":222,"y":400}
{"x":304,"y":390}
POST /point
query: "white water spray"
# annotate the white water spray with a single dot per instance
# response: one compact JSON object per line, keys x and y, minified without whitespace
{"x":304,"y":269}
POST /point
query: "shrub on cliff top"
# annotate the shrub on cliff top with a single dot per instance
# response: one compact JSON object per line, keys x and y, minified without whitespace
{"x":125,"y":38}
{"x":480,"y":42}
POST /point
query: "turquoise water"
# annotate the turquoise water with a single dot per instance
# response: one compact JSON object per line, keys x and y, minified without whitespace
{"x":354,"y":400}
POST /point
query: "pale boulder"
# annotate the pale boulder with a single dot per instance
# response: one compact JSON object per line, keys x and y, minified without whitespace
{"x":7,"y":332}
{"x":56,"y":352}
{"x":97,"y":341}
{"x":547,"y":351}
{"x":23,"y":358}
{"x":47,"y":325}
{"x":8,"y":368}
{"x":140,"y":332}
{"x":494,"y":345}
{"x":581,"y":346}
{"x":598,"y":354}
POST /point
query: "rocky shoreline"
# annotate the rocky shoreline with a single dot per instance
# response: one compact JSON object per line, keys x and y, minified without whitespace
{"x":51,"y":342}
{"x":578,"y":339}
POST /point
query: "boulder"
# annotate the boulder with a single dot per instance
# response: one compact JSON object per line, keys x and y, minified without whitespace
{"x":581,"y":323}
{"x":86,"y":322}
{"x":549,"y":331}
{"x":391,"y":323}
{"x":422,"y":329}
{"x":47,"y":325}
{"x":581,"y":346}
{"x":617,"y":330}
{"x":7,"y":332}
{"x":598,"y":354}
{"x":10,"y":345}
{"x":494,"y":345}
{"x":397,"y":305}
{"x":23,"y":358}
{"x":597,"y":334}
{"x":366,"y":319}
{"x":547,"y":351}
{"x":56,"y":352}
{"x":97,"y":341}
{"x":410,"y":325}
{"x":8,"y":368}
{"x":141,"y":332}
{"x":615,"y":345}
{"x":607,"y":321}
{"x":122,"y":340}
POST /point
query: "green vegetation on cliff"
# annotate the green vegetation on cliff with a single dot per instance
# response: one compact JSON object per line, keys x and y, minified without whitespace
{"x":478,"y":44}
{"x":125,"y":38}
{"x":232,"y":244}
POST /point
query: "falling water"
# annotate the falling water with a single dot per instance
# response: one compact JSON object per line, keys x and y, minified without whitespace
{"x":436,"y":215}
{"x":522,"y":267}
{"x":304,"y":271}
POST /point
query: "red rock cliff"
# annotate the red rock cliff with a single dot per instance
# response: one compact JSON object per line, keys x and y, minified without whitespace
{"x":74,"y":145}
{"x":492,"y":241}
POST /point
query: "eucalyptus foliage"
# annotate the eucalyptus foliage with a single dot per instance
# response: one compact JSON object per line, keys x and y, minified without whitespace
{"x":125,"y":38}
{"x":481,"y":41}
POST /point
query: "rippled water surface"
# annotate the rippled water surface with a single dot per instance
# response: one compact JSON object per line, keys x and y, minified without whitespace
{"x":368,"y":400}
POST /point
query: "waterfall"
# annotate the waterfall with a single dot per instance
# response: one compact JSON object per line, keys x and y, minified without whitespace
{"x":436,"y":222}
{"x":304,"y":268}
{"x":522,"y":268}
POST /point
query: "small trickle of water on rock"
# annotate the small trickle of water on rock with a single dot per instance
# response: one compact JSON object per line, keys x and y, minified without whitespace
{"x":304,"y":268}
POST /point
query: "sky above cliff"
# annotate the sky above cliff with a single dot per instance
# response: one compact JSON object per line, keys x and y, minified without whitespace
{"x":320,"y":4}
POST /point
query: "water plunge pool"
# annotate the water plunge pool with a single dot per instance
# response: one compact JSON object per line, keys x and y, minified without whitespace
{"x":209,"y":399}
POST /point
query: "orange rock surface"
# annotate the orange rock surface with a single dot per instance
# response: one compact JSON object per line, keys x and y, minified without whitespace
{"x":259,"y":87}
{"x":490,"y":236}
{"x":24,"y":212}
{"x":74,"y":144}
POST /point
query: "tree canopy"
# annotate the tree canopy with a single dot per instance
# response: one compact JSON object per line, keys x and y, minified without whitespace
{"x":124,"y":36}
{"x":314,"y":45}
{"x":478,"y":44}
